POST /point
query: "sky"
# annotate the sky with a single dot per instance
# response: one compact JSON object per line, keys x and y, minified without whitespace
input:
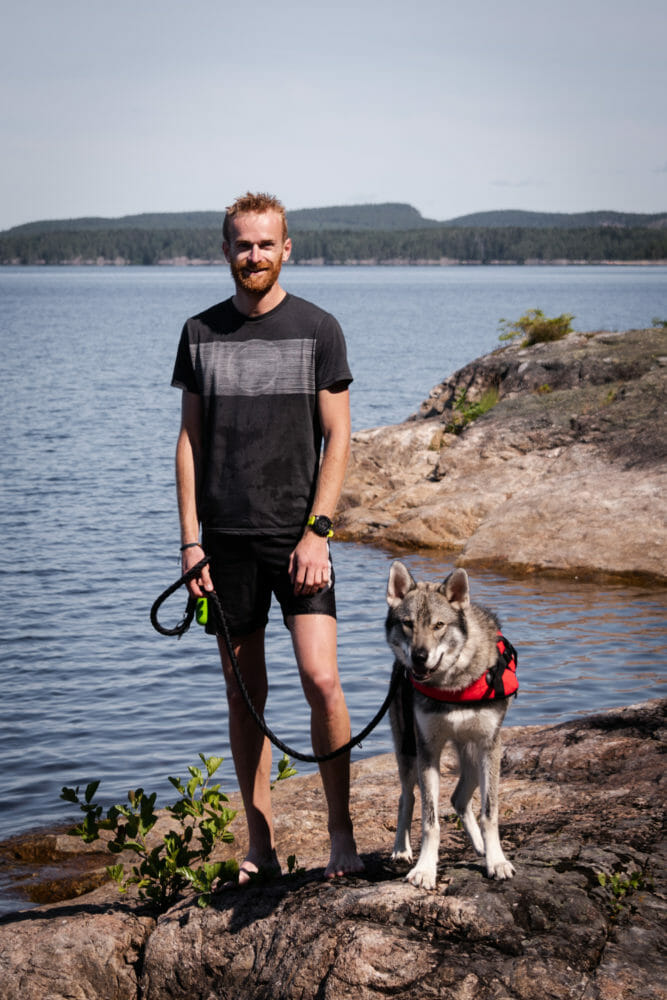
{"x":130,"y":106}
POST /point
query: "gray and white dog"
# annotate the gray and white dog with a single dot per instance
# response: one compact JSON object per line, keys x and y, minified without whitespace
{"x":459,"y":673}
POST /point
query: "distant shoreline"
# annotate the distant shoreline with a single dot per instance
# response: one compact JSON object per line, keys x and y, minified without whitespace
{"x":319,"y":262}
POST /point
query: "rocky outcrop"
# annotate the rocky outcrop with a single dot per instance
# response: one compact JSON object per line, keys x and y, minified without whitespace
{"x":567,"y":473}
{"x":578,"y":800}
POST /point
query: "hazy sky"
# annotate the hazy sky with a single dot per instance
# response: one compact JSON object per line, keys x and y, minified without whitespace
{"x":164,"y":105}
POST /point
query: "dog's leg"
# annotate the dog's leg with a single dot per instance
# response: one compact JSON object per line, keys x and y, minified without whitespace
{"x":429,"y":750}
{"x":497,"y":864}
{"x":401,"y":715}
{"x":463,"y":793}
{"x":407,"y":769}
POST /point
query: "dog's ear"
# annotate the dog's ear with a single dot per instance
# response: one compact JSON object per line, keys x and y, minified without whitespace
{"x":456,"y":589}
{"x":400,"y":583}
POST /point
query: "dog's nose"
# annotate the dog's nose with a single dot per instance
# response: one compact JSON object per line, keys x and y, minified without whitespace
{"x":419,"y":657}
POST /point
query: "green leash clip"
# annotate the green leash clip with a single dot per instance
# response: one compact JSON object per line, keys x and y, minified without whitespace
{"x":201,"y":611}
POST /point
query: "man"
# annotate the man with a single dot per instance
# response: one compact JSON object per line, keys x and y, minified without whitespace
{"x":265,"y":383}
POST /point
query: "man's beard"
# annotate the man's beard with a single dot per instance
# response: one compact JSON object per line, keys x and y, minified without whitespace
{"x":258,"y":280}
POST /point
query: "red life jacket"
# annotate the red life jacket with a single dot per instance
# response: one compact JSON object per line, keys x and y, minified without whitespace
{"x":500,"y":681}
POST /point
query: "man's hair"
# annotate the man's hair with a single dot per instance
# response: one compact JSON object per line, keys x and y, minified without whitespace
{"x":250,"y":202}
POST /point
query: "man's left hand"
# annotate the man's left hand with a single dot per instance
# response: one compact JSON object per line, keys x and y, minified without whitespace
{"x":309,"y":565}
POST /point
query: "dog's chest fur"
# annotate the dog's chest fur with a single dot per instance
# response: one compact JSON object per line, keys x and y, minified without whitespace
{"x":440,"y":721}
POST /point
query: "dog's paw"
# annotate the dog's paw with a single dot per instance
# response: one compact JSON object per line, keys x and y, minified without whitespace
{"x":422,"y":878}
{"x":405,"y":856}
{"x":501,"y":869}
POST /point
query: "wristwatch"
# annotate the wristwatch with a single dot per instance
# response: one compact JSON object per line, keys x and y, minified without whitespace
{"x":321,"y":525}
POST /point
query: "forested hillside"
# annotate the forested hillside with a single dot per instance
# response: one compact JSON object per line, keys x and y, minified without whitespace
{"x":393,"y":215}
{"x":390,"y":233}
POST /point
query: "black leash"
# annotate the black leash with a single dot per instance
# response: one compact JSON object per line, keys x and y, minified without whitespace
{"x":221,"y":628}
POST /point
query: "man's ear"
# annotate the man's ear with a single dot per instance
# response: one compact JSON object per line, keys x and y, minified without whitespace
{"x":287,"y":249}
{"x":225,"y":250}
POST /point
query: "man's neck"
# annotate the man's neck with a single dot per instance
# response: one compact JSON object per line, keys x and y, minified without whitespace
{"x":257,"y":305}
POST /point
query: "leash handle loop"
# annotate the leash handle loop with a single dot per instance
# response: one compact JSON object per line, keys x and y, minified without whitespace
{"x":189,"y":614}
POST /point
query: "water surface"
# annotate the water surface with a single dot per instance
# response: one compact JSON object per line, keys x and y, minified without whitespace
{"x":90,"y":531}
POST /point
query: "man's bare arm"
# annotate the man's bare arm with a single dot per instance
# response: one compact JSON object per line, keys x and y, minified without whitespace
{"x":309,"y":563}
{"x":188,"y":474}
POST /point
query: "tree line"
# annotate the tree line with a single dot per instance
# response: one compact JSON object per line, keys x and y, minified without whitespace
{"x":478,"y":244}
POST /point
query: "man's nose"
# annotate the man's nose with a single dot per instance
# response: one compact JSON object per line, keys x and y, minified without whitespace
{"x":255,"y":253}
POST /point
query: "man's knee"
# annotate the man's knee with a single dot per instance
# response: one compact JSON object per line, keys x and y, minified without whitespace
{"x":323,"y":689}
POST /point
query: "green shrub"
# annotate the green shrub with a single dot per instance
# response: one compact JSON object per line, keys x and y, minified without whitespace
{"x":619,"y":886}
{"x":536,"y":328}
{"x":181,"y":857}
{"x":464,"y":412}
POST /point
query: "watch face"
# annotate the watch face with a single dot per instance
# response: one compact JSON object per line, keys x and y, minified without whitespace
{"x":322,"y":525}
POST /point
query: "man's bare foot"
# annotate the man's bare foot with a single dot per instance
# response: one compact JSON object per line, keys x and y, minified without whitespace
{"x":257,"y":871}
{"x":343,"y":859}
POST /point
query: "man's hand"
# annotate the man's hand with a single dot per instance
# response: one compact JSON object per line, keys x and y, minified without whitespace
{"x":198,"y":584}
{"x":309,"y":565}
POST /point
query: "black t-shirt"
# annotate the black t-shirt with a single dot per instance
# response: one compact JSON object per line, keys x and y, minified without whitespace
{"x":258,"y":378}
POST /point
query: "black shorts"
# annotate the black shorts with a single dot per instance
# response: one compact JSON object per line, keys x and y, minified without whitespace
{"x":247,"y":569}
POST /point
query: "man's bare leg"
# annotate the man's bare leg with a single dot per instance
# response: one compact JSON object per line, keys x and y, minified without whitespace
{"x":314,"y":639}
{"x":251,"y":750}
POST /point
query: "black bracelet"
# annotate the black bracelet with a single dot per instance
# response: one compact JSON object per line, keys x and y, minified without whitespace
{"x":191,"y":545}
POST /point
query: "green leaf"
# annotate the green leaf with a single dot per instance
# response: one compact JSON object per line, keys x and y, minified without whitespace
{"x":70,"y":794}
{"x":285,"y":770}
{"x":91,"y":788}
{"x":132,"y":845}
{"x":193,"y":785}
{"x":116,"y":872}
{"x":211,"y":764}
{"x":89,"y":831}
{"x":212,"y":870}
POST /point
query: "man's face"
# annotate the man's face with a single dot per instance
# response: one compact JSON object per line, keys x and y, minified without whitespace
{"x":256,"y":251}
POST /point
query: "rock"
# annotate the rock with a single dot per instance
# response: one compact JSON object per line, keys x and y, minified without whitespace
{"x":80,"y":951}
{"x":578,"y":800}
{"x":567,"y":473}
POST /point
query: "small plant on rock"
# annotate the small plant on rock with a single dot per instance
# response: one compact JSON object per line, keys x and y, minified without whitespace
{"x":536,"y":328}
{"x":621,"y":885}
{"x":285,"y":770}
{"x":464,"y":411}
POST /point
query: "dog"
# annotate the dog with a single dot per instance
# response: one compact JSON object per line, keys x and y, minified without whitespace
{"x":459,"y":674}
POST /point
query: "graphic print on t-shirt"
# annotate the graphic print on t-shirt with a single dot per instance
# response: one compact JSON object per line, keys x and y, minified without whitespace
{"x":255,"y":367}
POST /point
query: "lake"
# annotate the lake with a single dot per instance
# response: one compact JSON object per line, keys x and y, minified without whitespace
{"x":90,"y":530}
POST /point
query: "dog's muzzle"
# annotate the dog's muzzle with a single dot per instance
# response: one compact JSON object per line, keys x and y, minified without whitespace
{"x":418,"y":664}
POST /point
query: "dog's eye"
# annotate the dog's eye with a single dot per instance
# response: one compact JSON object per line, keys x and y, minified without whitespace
{"x":438,"y":626}
{"x":407,"y":624}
